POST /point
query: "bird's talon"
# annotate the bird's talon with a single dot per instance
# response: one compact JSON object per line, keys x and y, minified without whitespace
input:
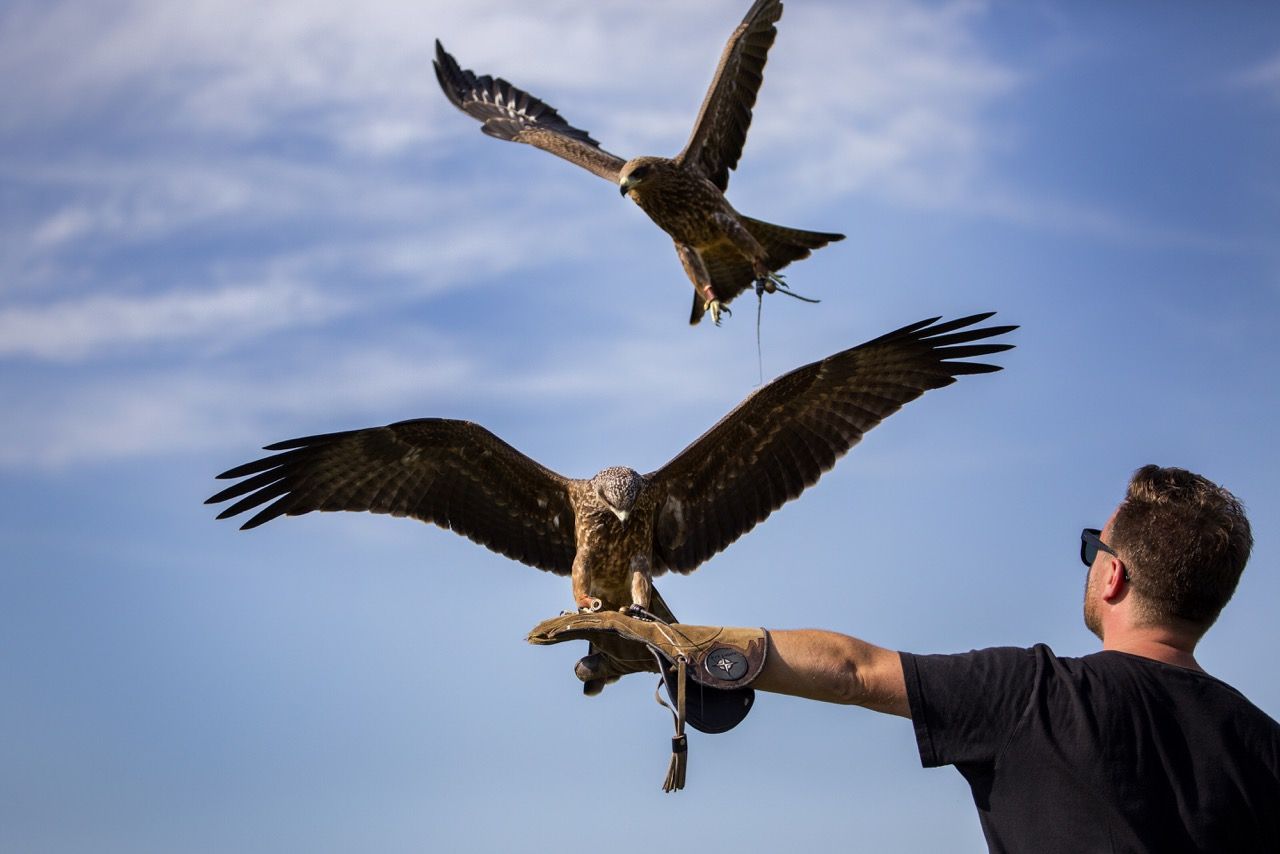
{"x":716,"y":308}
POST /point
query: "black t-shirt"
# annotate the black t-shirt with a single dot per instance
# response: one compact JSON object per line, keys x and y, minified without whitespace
{"x":1110,"y":752}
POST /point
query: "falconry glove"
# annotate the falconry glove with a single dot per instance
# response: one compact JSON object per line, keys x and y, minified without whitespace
{"x":706,"y":670}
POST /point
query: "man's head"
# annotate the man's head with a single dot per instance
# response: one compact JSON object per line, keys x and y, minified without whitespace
{"x":1184,"y":542}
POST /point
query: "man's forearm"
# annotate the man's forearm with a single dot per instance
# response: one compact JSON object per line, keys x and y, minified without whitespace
{"x":834,"y":668}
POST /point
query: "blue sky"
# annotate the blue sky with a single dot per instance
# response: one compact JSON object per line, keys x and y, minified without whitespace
{"x":226,"y":224}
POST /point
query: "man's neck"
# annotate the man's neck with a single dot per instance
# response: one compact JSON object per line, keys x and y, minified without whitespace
{"x":1155,"y":642}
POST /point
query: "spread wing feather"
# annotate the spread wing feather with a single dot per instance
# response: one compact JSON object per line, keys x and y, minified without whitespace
{"x":782,"y":438}
{"x":506,"y":112}
{"x":721,"y":129}
{"x":455,"y":474}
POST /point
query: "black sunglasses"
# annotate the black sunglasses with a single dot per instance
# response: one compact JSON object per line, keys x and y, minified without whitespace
{"x":1091,"y":543}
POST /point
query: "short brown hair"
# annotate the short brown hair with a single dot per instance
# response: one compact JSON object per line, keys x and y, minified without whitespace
{"x":1185,"y":541}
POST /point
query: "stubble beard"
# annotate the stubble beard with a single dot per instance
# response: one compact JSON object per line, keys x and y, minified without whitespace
{"x":1092,"y":619}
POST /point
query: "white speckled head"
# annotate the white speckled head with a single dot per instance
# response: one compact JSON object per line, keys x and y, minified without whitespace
{"x":618,"y":487}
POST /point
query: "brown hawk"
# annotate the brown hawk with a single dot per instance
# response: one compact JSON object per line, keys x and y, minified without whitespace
{"x":614,"y":532}
{"x":723,"y":252}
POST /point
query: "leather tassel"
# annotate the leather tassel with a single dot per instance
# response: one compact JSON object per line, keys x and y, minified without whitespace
{"x":679,"y":742}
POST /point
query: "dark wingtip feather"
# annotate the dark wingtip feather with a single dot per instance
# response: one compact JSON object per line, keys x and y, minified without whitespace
{"x":306,"y":441}
{"x":259,"y":518}
{"x":958,"y":323}
{"x":247,"y":468}
{"x":964,"y":368}
{"x":968,"y":351}
{"x":222,"y":496}
{"x":997,"y":330}
{"x":259,"y":496}
{"x":268,"y":478}
{"x":959,"y":331}
{"x":290,"y":444}
{"x":448,"y":73}
{"x":905,"y":330}
{"x":444,"y":58}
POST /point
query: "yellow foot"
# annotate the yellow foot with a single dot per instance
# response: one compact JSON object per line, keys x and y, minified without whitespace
{"x":716,"y":308}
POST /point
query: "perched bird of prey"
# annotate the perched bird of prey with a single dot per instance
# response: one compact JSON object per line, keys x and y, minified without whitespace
{"x":722,"y":251}
{"x":612,"y":533}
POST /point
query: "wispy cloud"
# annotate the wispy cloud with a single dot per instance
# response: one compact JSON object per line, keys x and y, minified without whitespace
{"x":261,"y":113}
{"x":297,"y":162}
{"x":63,"y":331}
{"x":1264,"y":75}
{"x":883,"y":99}
{"x":240,"y":403}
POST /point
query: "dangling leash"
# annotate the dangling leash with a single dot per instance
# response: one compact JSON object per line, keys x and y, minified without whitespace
{"x":706,"y":670}
{"x":773,"y":283}
{"x":713,"y":708}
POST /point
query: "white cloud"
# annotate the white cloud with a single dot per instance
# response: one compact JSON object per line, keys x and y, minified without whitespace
{"x":73,"y":329}
{"x":888,"y":98}
{"x":363,"y":79}
{"x":882,"y":98}
{"x":191,"y":409}
{"x":1263,"y":75}
{"x":309,"y":141}
{"x":201,"y":405}
{"x":191,"y":104}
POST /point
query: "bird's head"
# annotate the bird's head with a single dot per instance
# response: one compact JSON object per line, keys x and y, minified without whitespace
{"x":618,"y":487}
{"x":635,"y":172}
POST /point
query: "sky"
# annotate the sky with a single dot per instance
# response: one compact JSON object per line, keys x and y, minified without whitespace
{"x":224,"y":224}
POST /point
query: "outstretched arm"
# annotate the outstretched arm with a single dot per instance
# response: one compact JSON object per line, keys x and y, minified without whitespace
{"x":809,"y":663}
{"x":834,"y":668}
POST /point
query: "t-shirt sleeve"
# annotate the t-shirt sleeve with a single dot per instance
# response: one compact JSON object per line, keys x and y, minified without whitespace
{"x":965,"y":707}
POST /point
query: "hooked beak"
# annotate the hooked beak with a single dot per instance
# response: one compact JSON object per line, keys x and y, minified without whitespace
{"x":625,"y":185}
{"x":621,"y":514}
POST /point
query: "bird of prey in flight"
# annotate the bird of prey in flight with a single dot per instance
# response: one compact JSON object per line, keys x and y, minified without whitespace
{"x":612,"y":533}
{"x":723,"y":252}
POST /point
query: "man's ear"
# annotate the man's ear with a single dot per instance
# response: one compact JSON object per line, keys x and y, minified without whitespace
{"x":1113,"y":581}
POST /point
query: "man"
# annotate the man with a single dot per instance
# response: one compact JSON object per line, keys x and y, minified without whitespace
{"x":1134,"y":748}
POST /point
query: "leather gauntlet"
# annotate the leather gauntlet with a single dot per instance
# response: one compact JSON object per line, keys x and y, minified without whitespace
{"x":716,"y":656}
{"x":707,"y":670}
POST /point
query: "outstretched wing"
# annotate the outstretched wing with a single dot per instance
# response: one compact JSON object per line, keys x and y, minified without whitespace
{"x":455,"y":474}
{"x":783,"y":437}
{"x":510,"y":113}
{"x":721,"y":128}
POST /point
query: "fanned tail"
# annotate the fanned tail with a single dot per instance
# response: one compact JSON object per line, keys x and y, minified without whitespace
{"x":785,"y":244}
{"x":731,"y":273}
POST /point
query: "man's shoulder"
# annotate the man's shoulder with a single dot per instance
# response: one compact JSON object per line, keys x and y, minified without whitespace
{"x":1106,"y":676}
{"x":1184,"y":689}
